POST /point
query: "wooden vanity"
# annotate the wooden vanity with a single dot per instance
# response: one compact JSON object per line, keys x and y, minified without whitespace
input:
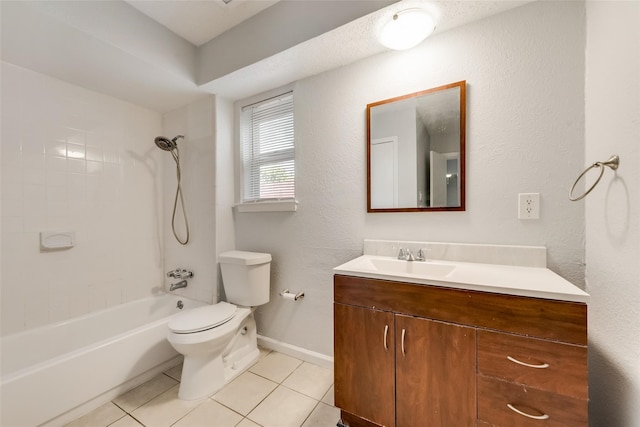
{"x":417,"y":355}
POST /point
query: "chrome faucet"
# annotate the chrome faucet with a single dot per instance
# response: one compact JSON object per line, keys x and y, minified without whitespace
{"x":406,"y":255}
{"x":180,"y":284}
{"x":180,"y":273}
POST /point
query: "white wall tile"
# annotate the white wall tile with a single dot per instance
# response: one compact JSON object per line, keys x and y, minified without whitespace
{"x":61,"y":170}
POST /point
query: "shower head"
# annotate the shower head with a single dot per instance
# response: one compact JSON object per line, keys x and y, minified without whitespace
{"x":167,"y":144}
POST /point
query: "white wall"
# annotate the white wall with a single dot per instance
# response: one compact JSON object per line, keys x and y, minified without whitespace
{"x":613,"y":212}
{"x":197,"y":159}
{"x":206,"y":159}
{"x":525,"y":131}
{"x":75,"y":160}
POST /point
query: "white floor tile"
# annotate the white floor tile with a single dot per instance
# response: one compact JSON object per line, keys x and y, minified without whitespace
{"x":99,"y":417}
{"x":310,"y":380}
{"x":165,"y":409}
{"x":283,"y":408}
{"x":247,"y":423}
{"x":323,"y":416}
{"x":210,"y":414}
{"x":175,"y":372}
{"x":263,"y":352}
{"x":126,"y":422}
{"x":279,"y":391}
{"x":329,"y":397}
{"x":276,"y":366}
{"x":245,"y":392}
{"x":140,"y":395}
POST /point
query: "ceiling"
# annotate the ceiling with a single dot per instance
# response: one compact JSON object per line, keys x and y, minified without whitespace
{"x":199,"y":21}
{"x":168,"y":53}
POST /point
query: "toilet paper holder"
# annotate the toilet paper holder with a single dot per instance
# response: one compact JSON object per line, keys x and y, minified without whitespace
{"x":286,"y":294}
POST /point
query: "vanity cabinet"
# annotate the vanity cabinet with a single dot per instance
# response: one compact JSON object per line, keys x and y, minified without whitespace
{"x":400,"y":370}
{"x":365,"y":365}
{"x":412,"y":355}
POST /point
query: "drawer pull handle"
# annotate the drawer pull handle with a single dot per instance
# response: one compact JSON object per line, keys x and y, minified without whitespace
{"x":540,"y":366}
{"x":386,"y":330}
{"x":403,"y":333}
{"x":524,"y":414}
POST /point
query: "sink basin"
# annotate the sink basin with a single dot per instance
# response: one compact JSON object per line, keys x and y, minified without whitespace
{"x":525,"y":281}
{"x":422,"y":268}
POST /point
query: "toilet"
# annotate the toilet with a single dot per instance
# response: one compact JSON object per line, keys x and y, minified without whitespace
{"x":219,"y":341}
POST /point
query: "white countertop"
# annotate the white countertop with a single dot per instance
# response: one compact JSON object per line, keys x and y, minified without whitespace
{"x":534,"y":282}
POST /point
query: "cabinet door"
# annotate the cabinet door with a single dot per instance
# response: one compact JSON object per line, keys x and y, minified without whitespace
{"x":435,"y":373}
{"x":364,"y":363}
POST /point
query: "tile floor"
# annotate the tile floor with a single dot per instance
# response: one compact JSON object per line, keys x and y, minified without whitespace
{"x":278,"y":391}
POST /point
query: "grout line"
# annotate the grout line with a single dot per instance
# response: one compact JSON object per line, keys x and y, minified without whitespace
{"x":308,"y":416}
{"x":244,"y":417}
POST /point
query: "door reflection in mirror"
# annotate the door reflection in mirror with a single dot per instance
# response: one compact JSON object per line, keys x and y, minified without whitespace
{"x":416,"y":151}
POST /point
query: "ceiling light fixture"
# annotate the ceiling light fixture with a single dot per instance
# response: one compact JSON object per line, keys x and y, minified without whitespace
{"x":407,"y":29}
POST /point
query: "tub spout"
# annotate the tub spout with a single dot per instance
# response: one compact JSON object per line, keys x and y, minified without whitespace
{"x":180,"y":284}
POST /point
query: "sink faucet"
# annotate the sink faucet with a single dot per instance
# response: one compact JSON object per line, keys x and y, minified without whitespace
{"x":180,"y":284}
{"x":406,"y":255}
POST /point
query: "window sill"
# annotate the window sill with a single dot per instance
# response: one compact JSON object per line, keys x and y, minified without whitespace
{"x":271,"y":206}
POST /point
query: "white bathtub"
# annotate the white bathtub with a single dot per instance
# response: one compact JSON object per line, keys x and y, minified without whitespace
{"x":49,"y":371}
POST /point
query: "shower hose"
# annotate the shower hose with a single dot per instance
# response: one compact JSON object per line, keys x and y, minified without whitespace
{"x":176,"y":156}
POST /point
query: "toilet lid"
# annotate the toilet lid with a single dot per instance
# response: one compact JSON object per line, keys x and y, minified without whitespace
{"x":201,"y":318}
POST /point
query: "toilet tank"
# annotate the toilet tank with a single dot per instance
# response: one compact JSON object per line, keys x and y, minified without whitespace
{"x":246,"y":277}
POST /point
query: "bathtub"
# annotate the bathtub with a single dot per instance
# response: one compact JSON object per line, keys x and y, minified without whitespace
{"x":52,"y":374}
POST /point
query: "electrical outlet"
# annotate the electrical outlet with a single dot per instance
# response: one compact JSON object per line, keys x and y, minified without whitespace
{"x":529,"y":206}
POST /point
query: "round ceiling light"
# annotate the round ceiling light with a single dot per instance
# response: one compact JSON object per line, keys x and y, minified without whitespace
{"x":407,"y":29}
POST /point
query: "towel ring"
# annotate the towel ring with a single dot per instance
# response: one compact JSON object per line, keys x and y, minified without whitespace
{"x":613,"y":163}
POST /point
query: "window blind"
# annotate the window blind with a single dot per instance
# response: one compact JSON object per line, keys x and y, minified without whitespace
{"x":268,"y":150}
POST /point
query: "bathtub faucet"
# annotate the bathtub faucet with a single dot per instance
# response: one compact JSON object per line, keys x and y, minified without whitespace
{"x":180,"y":273}
{"x":180,"y":284}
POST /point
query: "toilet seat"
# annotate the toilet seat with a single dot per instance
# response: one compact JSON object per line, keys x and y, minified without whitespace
{"x":202,"y":318}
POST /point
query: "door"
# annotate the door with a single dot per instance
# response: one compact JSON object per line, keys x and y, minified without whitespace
{"x":384,"y":172}
{"x":435,"y":373}
{"x":438,"y":180}
{"x":364,"y":363}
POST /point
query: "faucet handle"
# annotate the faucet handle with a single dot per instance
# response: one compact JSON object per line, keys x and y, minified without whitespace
{"x":420,"y":255}
{"x":180,"y":273}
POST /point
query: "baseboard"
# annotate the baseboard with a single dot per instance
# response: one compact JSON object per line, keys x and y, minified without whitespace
{"x":297,"y":352}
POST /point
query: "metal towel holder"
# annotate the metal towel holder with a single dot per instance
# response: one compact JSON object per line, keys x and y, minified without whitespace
{"x":613,"y":163}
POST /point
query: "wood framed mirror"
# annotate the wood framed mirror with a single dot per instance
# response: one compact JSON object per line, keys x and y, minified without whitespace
{"x":416,"y":151}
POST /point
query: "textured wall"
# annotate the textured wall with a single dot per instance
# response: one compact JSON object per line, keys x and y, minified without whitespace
{"x":197,"y":160}
{"x":76,"y":160}
{"x":525,"y":132}
{"x":613,"y":212}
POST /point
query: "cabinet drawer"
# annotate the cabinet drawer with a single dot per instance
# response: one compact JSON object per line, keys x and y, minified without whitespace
{"x":504,"y":356}
{"x":560,"y":411}
{"x":535,"y":317}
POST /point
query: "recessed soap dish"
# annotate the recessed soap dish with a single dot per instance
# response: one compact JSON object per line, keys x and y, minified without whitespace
{"x":56,"y":240}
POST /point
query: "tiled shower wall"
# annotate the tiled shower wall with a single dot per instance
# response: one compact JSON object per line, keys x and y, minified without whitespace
{"x":75,"y":160}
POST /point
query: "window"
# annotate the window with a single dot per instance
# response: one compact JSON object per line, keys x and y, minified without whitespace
{"x":267,"y":149}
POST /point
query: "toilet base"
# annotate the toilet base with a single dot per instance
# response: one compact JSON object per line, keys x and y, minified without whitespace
{"x":204,"y":378}
{"x":205,"y":374}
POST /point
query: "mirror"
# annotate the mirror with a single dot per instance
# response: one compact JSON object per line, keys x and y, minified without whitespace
{"x":416,"y":151}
